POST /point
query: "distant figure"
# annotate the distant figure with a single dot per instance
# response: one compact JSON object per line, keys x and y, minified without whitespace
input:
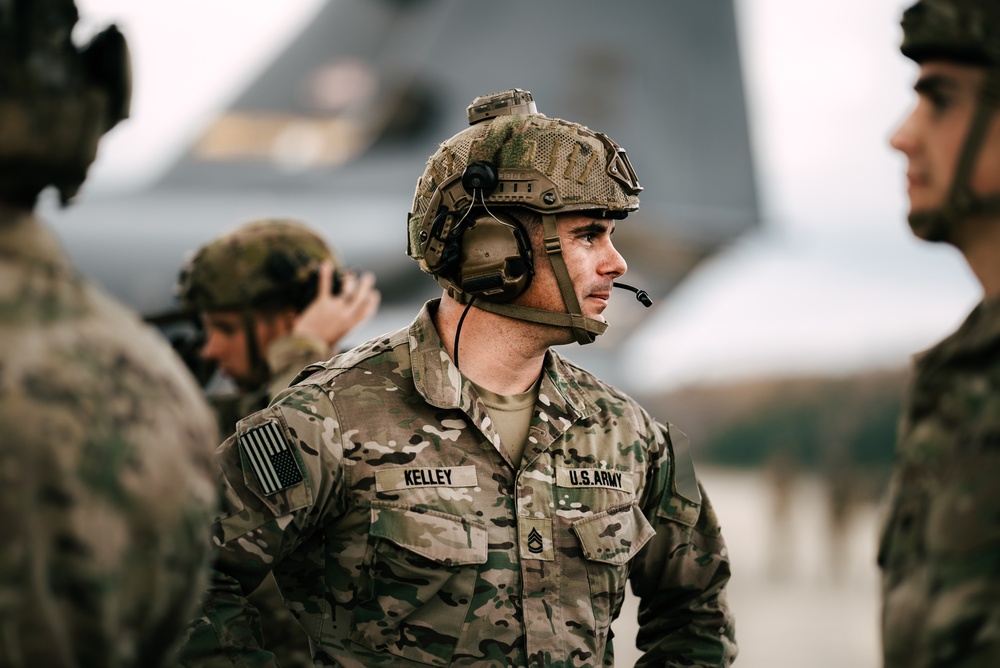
{"x":782,"y":470}
{"x":844,"y":483}
{"x":428,"y":502}
{"x":940,"y":548}
{"x":272,"y":301}
{"x":107,"y":486}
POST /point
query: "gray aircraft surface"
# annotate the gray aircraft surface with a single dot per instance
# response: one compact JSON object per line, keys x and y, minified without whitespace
{"x":336,"y":130}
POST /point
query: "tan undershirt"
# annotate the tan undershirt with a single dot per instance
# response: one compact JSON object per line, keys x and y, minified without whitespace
{"x":511,"y":416}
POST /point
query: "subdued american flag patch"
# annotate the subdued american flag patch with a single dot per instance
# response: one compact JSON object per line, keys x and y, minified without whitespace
{"x":270,"y":458}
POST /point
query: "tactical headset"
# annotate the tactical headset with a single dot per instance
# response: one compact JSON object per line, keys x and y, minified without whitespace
{"x":57,"y":100}
{"x":486,"y":253}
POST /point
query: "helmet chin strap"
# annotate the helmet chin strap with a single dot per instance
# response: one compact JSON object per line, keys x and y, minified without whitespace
{"x":962,"y":202}
{"x":585,"y":330}
{"x":259,"y":373}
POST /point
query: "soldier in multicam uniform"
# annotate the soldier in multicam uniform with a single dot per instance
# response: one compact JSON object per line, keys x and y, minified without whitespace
{"x":272,"y":300}
{"x":107,"y":484}
{"x":940,"y":548}
{"x":457,"y":493}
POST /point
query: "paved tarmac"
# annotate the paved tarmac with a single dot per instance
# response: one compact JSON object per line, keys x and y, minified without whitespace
{"x":796,"y":606}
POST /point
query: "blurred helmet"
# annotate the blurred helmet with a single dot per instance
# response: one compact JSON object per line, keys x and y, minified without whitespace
{"x":463,"y":228}
{"x":966,"y":32}
{"x":55,"y":100}
{"x":958,"y":30}
{"x":270,"y":262}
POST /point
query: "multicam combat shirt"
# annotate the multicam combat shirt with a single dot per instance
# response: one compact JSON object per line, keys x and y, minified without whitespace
{"x":107,"y":484}
{"x":940,"y":551}
{"x":400,"y":533}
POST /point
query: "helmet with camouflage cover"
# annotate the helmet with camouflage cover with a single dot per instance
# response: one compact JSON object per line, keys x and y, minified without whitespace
{"x":966,"y":32}
{"x":513,"y":158}
{"x":265,"y":265}
{"x":261,"y":263}
{"x":55,"y":100}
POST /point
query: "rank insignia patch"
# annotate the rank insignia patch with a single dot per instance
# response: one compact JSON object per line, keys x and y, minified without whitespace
{"x":270,"y":458}
{"x":535,"y":535}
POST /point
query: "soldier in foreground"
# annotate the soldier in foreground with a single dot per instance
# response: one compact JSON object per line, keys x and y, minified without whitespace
{"x":940,"y":548}
{"x":272,"y":301}
{"x":107,"y":486}
{"x":457,"y":493}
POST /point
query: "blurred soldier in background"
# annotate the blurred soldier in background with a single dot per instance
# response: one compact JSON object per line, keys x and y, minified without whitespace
{"x":107,"y":487}
{"x":272,"y":300}
{"x":940,"y":548}
{"x":414,"y":513}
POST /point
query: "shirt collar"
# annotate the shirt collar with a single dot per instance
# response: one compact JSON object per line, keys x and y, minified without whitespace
{"x":441,"y":384}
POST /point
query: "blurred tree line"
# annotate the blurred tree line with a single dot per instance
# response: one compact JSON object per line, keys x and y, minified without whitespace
{"x":834,"y":426}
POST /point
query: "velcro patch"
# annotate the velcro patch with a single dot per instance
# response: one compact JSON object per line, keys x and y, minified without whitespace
{"x":535,"y":536}
{"x":579,"y":477}
{"x":408,"y":478}
{"x":270,"y":457}
{"x":685,"y":480}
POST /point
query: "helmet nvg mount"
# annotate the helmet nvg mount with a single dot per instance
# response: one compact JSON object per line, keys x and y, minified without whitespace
{"x":55,"y":100}
{"x":968,"y":32}
{"x":461,"y":229}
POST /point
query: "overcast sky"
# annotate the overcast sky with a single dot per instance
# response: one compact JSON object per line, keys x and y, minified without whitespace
{"x":833,"y":282}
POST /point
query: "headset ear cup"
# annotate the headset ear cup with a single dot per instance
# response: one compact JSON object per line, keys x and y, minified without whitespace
{"x":495,"y":260}
{"x":109,"y":65}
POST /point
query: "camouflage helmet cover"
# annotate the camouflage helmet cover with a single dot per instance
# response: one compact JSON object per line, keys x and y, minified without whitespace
{"x":259,"y":261}
{"x":960,"y":30}
{"x":55,"y":100}
{"x":547,"y":165}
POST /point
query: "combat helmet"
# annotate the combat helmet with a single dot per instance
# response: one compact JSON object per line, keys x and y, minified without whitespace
{"x":513,"y":158}
{"x":55,"y":100}
{"x":262,"y":264}
{"x":967,"y":32}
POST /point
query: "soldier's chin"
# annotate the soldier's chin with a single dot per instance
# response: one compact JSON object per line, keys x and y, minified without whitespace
{"x":929,"y":225}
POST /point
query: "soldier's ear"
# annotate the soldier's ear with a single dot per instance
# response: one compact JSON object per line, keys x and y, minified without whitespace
{"x":108,"y":64}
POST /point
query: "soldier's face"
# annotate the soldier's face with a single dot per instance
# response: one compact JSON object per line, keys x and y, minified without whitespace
{"x":226,"y":343}
{"x":591,"y":259}
{"x":226,"y":340}
{"x":933,"y":135}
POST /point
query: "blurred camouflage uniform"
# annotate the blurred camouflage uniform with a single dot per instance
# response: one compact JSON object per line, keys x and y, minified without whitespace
{"x":401,"y":532}
{"x":940,"y":545}
{"x":107,"y":486}
{"x":940,"y":550}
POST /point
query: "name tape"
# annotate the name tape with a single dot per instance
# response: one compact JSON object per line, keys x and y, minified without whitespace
{"x":409,"y":478}
{"x":578,"y":477}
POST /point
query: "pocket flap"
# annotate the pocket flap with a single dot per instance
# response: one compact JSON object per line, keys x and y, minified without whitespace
{"x":447,"y":539}
{"x":614,"y":536}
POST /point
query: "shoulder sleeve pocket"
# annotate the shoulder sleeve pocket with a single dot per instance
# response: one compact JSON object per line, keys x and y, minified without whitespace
{"x":681,"y":501}
{"x":271,"y":463}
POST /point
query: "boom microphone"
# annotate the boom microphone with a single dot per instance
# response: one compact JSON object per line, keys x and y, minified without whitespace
{"x":639,"y":294}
